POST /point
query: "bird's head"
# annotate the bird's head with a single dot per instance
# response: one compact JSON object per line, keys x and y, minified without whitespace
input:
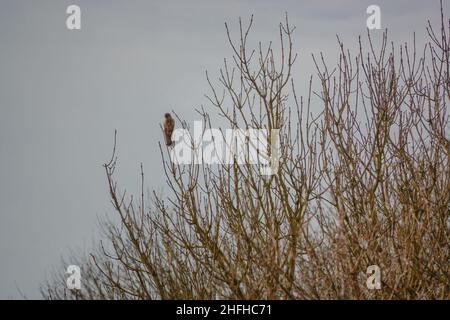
{"x":167,"y":115}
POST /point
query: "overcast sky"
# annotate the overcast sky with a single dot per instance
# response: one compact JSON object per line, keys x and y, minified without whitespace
{"x":62,"y":94}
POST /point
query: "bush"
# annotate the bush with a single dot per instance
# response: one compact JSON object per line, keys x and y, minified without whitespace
{"x":364,"y":181}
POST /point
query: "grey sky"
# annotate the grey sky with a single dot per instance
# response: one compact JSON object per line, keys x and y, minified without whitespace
{"x":62,"y":94}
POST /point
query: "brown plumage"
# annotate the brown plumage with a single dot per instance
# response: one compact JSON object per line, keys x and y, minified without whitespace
{"x":169,"y":125}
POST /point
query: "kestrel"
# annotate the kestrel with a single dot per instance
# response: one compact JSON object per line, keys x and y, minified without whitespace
{"x":169,"y":125}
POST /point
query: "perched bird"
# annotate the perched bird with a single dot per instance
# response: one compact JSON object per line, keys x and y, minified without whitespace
{"x":169,"y":125}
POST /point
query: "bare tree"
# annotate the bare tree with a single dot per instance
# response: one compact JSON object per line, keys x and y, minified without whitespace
{"x":364,"y":181}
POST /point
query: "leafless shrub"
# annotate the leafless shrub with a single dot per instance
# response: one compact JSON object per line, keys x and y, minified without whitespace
{"x":363,"y":182}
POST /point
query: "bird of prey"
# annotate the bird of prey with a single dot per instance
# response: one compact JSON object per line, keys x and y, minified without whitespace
{"x":169,"y":125}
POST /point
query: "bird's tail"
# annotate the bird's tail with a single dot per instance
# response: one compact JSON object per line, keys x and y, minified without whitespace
{"x":169,"y":141}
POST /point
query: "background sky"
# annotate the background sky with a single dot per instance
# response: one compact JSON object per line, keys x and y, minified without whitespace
{"x":63,"y":92}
